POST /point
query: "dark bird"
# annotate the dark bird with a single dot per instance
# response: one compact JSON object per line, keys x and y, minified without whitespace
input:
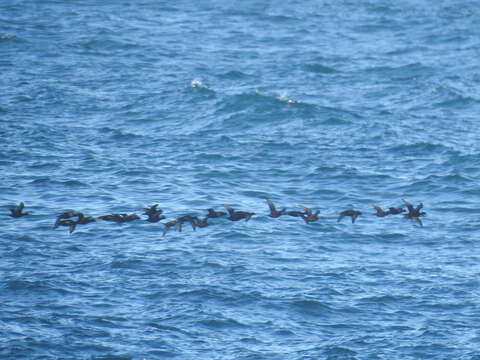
{"x":119,"y":218}
{"x":112,"y":217}
{"x":67,"y":215}
{"x":186,"y":218}
{"x":273,"y":211}
{"x":309,"y":216}
{"x":414,"y":213}
{"x":380,"y":212}
{"x":169,"y":224}
{"x":395,"y":211}
{"x":215,"y":214}
{"x":238,"y":215}
{"x":153,"y":218}
{"x":353,"y":213}
{"x":70,"y":223}
{"x":152,"y":211}
{"x":65,"y":219}
{"x":130,"y":217}
{"x":201,"y":223}
{"x":17,"y":212}
{"x":154,"y":215}
{"x":85,"y":220}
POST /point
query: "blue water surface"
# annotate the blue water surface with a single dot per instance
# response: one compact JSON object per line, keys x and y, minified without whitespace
{"x":109,"y":107}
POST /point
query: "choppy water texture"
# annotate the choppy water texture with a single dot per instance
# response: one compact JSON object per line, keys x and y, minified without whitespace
{"x":114,"y":106}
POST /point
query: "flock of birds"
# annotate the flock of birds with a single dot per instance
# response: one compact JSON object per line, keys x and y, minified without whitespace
{"x":71,"y":219}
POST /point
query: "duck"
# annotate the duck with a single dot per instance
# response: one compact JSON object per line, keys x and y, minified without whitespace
{"x":273,"y":211}
{"x":395,"y":211}
{"x":81,"y":219}
{"x":238,"y":215}
{"x":119,"y":218}
{"x":414,"y":213}
{"x":309,"y":216}
{"x":65,"y":215}
{"x":152,"y":210}
{"x":380,"y":211}
{"x":17,"y":212}
{"x":70,"y":223}
{"x":171,"y":223}
{"x":201,"y":223}
{"x":186,"y":218}
{"x":153,"y":218}
{"x":353,"y":213}
{"x":215,"y":214}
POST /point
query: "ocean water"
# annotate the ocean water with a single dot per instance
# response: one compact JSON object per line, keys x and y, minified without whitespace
{"x":117,"y":105}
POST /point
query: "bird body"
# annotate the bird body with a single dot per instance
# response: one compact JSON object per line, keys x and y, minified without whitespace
{"x":274,"y":213}
{"x":17,"y":212}
{"x":353,"y":213}
{"x":238,"y":215}
{"x":380,"y":211}
{"x":309,"y":216}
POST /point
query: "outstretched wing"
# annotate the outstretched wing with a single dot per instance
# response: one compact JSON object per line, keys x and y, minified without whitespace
{"x":418,"y":208}
{"x":354,"y":217}
{"x":307,"y":210}
{"x":408,"y":205}
{"x":271,"y":206}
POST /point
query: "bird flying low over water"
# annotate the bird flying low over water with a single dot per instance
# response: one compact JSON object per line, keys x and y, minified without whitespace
{"x":274,"y":213}
{"x":309,"y":216}
{"x":70,"y":223}
{"x":65,"y":219}
{"x":238,"y":215}
{"x":81,"y":219}
{"x":215,"y":214}
{"x":119,"y":218}
{"x":154,"y":214}
{"x":353,"y":213}
{"x":155,"y":217}
{"x":171,"y":223}
{"x":152,"y":210}
{"x":186,"y":218}
{"x":17,"y":212}
{"x":380,"y":211}
{"x":414,"y":213}
{"x":395,"y":211}
{"x":201,"y":223}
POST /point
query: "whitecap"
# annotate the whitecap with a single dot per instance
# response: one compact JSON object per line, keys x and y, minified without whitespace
{"x":283,"y":97}
{"x":198,"y":85}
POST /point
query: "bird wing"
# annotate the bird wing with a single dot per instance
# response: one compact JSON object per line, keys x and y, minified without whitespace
{"x":418,"y":208}
{"x":307,"y":210}
{"x":271,"y":206}
{"x":354,"y":217}
{"x":409,"y":206}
